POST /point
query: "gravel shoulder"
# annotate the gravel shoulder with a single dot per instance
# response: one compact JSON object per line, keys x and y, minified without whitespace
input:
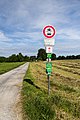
{"x":10,"y":89}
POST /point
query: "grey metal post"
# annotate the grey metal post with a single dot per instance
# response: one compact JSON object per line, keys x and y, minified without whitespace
{"x":48,"y":85}
{"x":48,"y":82}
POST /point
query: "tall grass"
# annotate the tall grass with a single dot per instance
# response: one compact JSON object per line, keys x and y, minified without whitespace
{"x":36,"y":104}
{"x":63,"y":103}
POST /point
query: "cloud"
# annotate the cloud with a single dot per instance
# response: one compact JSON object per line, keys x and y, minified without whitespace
{"x":22,"y":21}
{"x":26,"y":43}
{"x":4,"y":38}
{"x":68,"y":33}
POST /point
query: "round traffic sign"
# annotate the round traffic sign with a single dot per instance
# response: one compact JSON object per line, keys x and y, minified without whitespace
{"x":49,"y":31}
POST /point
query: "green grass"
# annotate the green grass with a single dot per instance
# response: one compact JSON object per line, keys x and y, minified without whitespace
{"x":35,"y":101}
{"x":63,"y":103}
{"x":5,"y":67}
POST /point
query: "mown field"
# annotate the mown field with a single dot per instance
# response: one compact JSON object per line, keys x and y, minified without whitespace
{"x":63,"y":103}
{"x":5,"y":67}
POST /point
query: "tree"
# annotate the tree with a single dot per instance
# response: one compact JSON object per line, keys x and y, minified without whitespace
{"x":53,"y":56}
{"x":26,"y":58}
{"x":78,"y":57}
{"x":67,"y":57}
{"x":41,"y":54}
{"x":32,"y":58}
{"x":61,"y":57}
{"x":2,"y":59}
{"x":20,"y":57}
{"x":12,"y":58}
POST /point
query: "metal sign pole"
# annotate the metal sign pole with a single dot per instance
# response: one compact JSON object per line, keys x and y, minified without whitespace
{"x":48,"y":85}
{"x":48,"y":82}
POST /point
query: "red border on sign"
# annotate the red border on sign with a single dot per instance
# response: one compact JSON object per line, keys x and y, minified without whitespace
{"x":45,"y":29}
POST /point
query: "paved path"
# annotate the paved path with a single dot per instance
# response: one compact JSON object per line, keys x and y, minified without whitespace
{"x":10,"y":88}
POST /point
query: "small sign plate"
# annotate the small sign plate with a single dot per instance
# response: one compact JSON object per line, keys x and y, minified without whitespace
{"x":49,"y":67}
{"x":49,"y":55}
{"x":49,"y":49}
{"x":49,"y":41}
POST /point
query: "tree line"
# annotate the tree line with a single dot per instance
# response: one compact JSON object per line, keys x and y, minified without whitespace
{"x":41,"y":55}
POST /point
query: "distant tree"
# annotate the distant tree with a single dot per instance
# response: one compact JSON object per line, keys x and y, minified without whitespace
{"x":2,"y":59}
{"x":73,"y":57}
{"x":53,"y":56}
{"x":20,"y":57}
{"x":61,"y":57}
{"x":67,"y":57}
{"x":12,"y":58}
{"x":41,"y":54}
{"x":26,"y":58}
{"x":77,"y":56}
{"x":32,"y":58}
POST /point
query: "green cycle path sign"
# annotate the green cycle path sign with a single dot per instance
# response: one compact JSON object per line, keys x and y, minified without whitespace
{"x":49,"y":55}
{"x":49,"y":67}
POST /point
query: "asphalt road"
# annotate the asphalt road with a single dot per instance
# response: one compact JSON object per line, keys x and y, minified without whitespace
{"x":10,"y":88}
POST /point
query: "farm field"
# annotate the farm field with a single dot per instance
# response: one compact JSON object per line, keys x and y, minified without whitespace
{"x":63,"y":103}
{"x":5,"y":67}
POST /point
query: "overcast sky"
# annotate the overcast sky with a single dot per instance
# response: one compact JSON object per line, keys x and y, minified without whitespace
{"x":22,"y":22}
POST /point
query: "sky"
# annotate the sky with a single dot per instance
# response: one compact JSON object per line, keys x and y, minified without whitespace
{"x":22,"y":23}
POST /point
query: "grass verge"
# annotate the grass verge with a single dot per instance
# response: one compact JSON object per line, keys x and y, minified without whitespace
{"x":63,"y":102}
{"x":36,"y":103}
{"x":5,"y":67}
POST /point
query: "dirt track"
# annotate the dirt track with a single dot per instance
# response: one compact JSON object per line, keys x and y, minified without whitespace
{"x":10,"y":88}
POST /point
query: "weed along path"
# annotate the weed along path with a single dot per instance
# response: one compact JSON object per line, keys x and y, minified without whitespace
{"x":10,"y":88}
